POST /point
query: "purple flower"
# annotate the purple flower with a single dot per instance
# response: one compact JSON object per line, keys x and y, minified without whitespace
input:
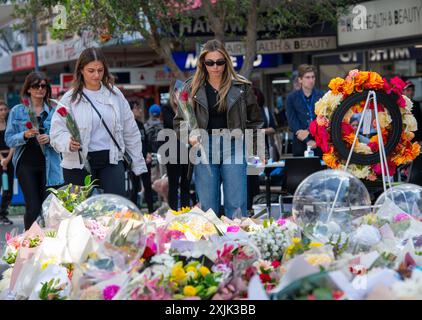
{"x":233,"y":228}
{"x":401,"y":217}
{"x":110,"y":291}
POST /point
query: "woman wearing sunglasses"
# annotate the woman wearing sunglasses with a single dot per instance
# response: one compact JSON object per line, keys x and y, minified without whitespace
{"x":222,"y":99}
{"x":37,"y":165}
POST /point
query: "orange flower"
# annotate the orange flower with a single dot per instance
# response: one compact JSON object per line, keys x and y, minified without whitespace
{"x":330,"y":159}
{"x":349,"y":138}
{"x":348,"y":87}
{"x":416,"y":150}
{"x":357,"y":108}
{"x":360,"y":80}
{"x":322,"y":121}
{"x":336,"y":85}
{"x":375,"y":81}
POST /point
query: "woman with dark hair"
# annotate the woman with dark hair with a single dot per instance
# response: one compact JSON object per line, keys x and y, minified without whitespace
{"x":222,"y":101}
{"x":6,"y":154}
{"x":37,"y":165}
{"x":106,"y":124}
{"x":176,"y":171}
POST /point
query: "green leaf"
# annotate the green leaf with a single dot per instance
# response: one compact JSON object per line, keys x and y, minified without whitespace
{"x":87,"y":180}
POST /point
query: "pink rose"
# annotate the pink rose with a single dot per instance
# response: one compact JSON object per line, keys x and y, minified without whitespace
{"x":397,"y":85}
{"x":110,"y":291}
{"x":233,"y":228}
{"x":387,"y":87}
{"x":352,"y":74}
{"x":401,"y":102}
{"x":281,"y":221}
{"x":401,"y":217}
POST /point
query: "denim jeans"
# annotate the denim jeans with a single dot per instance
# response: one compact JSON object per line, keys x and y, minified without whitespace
{"x":226,"y":165}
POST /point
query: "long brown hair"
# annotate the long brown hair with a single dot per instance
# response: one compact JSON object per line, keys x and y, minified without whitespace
{"x":87,"y":56}
{"x":34,"y":78}
{"x":201,"y":73}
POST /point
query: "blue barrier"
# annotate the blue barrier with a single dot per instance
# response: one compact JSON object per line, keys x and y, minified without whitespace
{"x":18,"y":198}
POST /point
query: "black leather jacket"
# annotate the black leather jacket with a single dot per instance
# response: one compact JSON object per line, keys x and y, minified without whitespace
{"x":242,"y":112}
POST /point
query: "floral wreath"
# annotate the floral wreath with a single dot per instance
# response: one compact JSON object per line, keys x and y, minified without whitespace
{"x":358,"y":81}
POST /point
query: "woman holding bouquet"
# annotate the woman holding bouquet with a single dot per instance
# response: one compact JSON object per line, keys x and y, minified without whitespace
{"x":36,"y":163}
{"x":107,"y":128}
{"x":221,"y":99}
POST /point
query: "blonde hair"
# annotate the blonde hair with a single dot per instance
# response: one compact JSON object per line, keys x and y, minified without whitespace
{"x":229,"y":74}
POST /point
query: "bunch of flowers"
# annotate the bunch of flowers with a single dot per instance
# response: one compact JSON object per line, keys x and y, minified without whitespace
{"x":14,"y":244}
{"x":357,"y":81}
{"x":400,"y":223}
{"x":269,"y":273}
{"x":299,"y":246}
{"x":273,"y":238}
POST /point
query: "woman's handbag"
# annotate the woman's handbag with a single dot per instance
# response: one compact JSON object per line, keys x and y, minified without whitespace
{"x":127,"y":159}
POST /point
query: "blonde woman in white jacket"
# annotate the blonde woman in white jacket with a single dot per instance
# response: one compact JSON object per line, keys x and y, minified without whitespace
{"x":93,"y":87}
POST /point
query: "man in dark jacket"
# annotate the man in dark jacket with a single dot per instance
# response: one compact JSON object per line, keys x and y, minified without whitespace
{"x":145,"y":177}
{"x":300,"y":108}
{"x":409,"y":91}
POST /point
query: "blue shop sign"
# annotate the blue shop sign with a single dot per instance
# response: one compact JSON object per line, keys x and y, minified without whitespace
{"x":187,"y":61}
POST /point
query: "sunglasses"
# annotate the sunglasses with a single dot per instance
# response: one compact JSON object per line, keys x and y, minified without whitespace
{"x":37,"y":86}
{"x":210,"y":63}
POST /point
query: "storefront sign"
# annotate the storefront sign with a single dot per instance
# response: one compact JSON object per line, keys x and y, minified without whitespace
{"x":380,"y":20}
{"x":145,"y":76}
{"x":284,"y":45}
{"x":187,"y":61}
{"x":66,"y":80}
{"x":23,"y":61}
{"x":67,"y":50}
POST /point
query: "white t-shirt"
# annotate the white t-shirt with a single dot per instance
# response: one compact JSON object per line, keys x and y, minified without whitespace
{"x":100,"y":139}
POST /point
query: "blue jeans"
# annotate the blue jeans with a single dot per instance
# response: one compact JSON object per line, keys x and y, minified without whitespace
{"x":231,"y":173}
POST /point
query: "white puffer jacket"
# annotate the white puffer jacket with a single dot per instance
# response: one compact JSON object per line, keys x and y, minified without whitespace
{"x":125,"y":130}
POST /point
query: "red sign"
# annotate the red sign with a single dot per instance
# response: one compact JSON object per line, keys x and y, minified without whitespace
{"x":55,"y":89}
{"x":66,"y":80}
{"x":23,"y":61}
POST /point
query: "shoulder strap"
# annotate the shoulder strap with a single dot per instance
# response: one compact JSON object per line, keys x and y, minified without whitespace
{"x":103,"y":122}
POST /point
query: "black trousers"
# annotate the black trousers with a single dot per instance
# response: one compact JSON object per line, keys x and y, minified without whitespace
{"x":111,"y":177}
{"x":33,"y":183}
{"x":178,"y":178}
{"x":6,"y":196}
{"x":136,"y":186}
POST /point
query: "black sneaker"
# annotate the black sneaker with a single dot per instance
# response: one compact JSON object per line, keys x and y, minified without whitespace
{"x":6,"y":221}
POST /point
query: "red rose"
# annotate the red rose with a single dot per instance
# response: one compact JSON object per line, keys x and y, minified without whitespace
{"x":148,"y":253}
{"x":62,"y":111}
{"x":25,"y":101}
{"x":265,"y":277}
{"x":28,"y":125}
{"x":275,"y":264}
{"x":184,"y":96}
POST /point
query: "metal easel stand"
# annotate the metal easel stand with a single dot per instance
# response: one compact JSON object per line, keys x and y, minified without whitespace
{"x":383,"y":158}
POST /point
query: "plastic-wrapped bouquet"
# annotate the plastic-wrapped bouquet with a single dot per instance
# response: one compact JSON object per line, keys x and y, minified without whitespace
{"x":273,"y":238}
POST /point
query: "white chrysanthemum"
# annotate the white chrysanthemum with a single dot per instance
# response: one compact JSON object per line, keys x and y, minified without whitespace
{"x":409,"y":104}
{"x":410,"y":123}
{"x":362,"y":148}
{"x":327,"y":103}
{"x":360,"y":173}
{"x":385,"y":119}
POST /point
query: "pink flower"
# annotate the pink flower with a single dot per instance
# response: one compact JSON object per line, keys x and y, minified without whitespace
{"x":352,"y":74}
{"x":387,"y":86}
{"x":110,"y":291}
{"x":401,"y":102}
{"x":275,"y":264}
{"x":322,"y":121}
{"x":374,"y":146}
{"x":233,"y":228}
{"x":321,"y":135}
{"x":377,"y":168}
{"x":281,"y":221}
{"x":397,"y":85}
{"x":401,"y":217}
{"x":347,"y":128}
